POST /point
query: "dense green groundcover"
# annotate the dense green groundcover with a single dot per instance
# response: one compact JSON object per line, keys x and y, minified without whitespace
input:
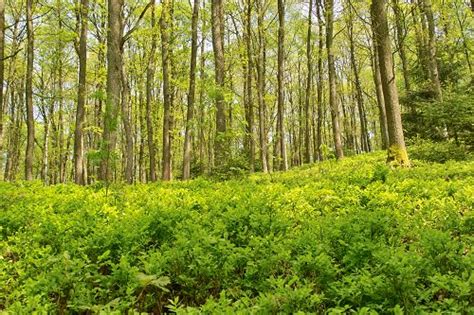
{"x":336,"y":237}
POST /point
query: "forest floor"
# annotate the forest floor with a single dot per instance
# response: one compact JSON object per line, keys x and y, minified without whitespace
{"x":334,"y":237}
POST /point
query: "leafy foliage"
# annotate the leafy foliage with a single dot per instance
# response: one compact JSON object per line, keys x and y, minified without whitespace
{"x":339,"y":237}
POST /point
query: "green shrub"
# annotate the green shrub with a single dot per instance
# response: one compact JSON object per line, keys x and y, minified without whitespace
{"x":340,"y":237}
{"x":439,"y":152}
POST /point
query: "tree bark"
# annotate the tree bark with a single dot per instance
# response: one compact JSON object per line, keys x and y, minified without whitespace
{"x":396,"y":151}
{"x":114,"y":77}
{"x":401,"y":33}
{"x":29,"y":93}
{"x":81,"y":96}
{"x":380,"y":97}
{"x":332,"y":80}
{"x":364,"y":134}
{"x":309,"y":76}
{"x":262,"y":115}
{"x":165,"y":21}
{"x":188,"y":136}
{"x":2,"y":73}
{"x":433,"y":63}
{"x":249,"y":115}
{"x":150,"y":73}
{"x":280,"y":77}
{"x":127,"y":128}
{"x":217,"y":21}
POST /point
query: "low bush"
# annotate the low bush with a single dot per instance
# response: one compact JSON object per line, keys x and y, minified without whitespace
{"x":340,"y":237}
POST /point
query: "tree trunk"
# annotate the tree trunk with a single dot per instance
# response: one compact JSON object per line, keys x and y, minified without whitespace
{"x":332,"y":80}
{"x":364,"y":134}
{"x":380,"y":99}
{"x":280,"y":77}
{"x":319,"y":128}
{"x":127,"y":128}
{"x":433,"y":63}
{"x":262,"y":115}
{"x":249,"y":115}
{"x":2,"y":72}
{"x":165,"y":23}
{"x":191,"y":94}
{"x":29,"y":93}
{"x":114,"y":76}
{"x":150,"y":73}
{"x":396,"y":151}
{"x":81,"y":96}
{"x":309,"y":76}
{"x":401,"y":33}
{"x":217,"y":20}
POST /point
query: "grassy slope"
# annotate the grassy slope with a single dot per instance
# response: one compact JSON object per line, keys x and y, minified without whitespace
{"x":332,"y":237}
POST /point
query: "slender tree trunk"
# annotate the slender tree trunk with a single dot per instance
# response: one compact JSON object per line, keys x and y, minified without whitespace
{"x":29,"y":93}
{"x":309,"y":76}
{"x":217,"y":20}
{"x":2,"y":73}
{"x":433,"y":63}
{"x":114,"y":76}
{"x":81,"y":95}
{"x":364,"y":134}
{"x":380,"y":97}
{"x":127,"y":128}
{"x":397,"y":151}
{"x":401,"y":33}
{"x":332,"y":80}
{"x":319,"y":88}
{"x":249,"y":115}
{"x":165,"y":23}
{"x":150,"y":74}
{"x":191,"y":93}
{"x":261,"y":88}
{"x":280,"y":78}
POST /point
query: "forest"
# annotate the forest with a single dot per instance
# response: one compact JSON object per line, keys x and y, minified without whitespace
{"x":236,"y":156}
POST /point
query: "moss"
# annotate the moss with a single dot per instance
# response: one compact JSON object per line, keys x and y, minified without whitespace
{"x":397,"y":156}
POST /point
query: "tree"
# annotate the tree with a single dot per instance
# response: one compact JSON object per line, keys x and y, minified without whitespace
{"x":165,"y":23}
{"x":191,"y":93}
{"x":81,"y":94}
{"x":396,"y":147}
{"x":114,"y":79}
{"x":217,"y":26}
{"x":150,"y":73}
{"x":280,"y":134}
{"x":329,"y":4}
{"x":309,"y":76}
{"x":29,"y":92}
{"x":433,"y":63}
{"x":2,"y":72}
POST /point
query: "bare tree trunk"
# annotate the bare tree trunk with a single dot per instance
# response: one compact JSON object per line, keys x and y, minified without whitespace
{"x":127,"y":128}
{"x":280,"y":77}
{"x":380,"y":97}
{"x":2,"y":73}
{"x":309,"y":76}
{"x":165,"y":21}
{"x":249,"y":115}
{"x":191,"y":94}
{"x":364,"y":135}
{"x":150,"y":73}
{"x":29,"y":93}
{"x":433,"y":63}
{"x":217,"y":20}
{"x":81,"y":95}
{"x":114,"y":76}
{"x":261,"y":88}
{"x":332,"y":80}
{"x":319,"y":129}
{"x":401,"y":33}
{"x":397,"y":151}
